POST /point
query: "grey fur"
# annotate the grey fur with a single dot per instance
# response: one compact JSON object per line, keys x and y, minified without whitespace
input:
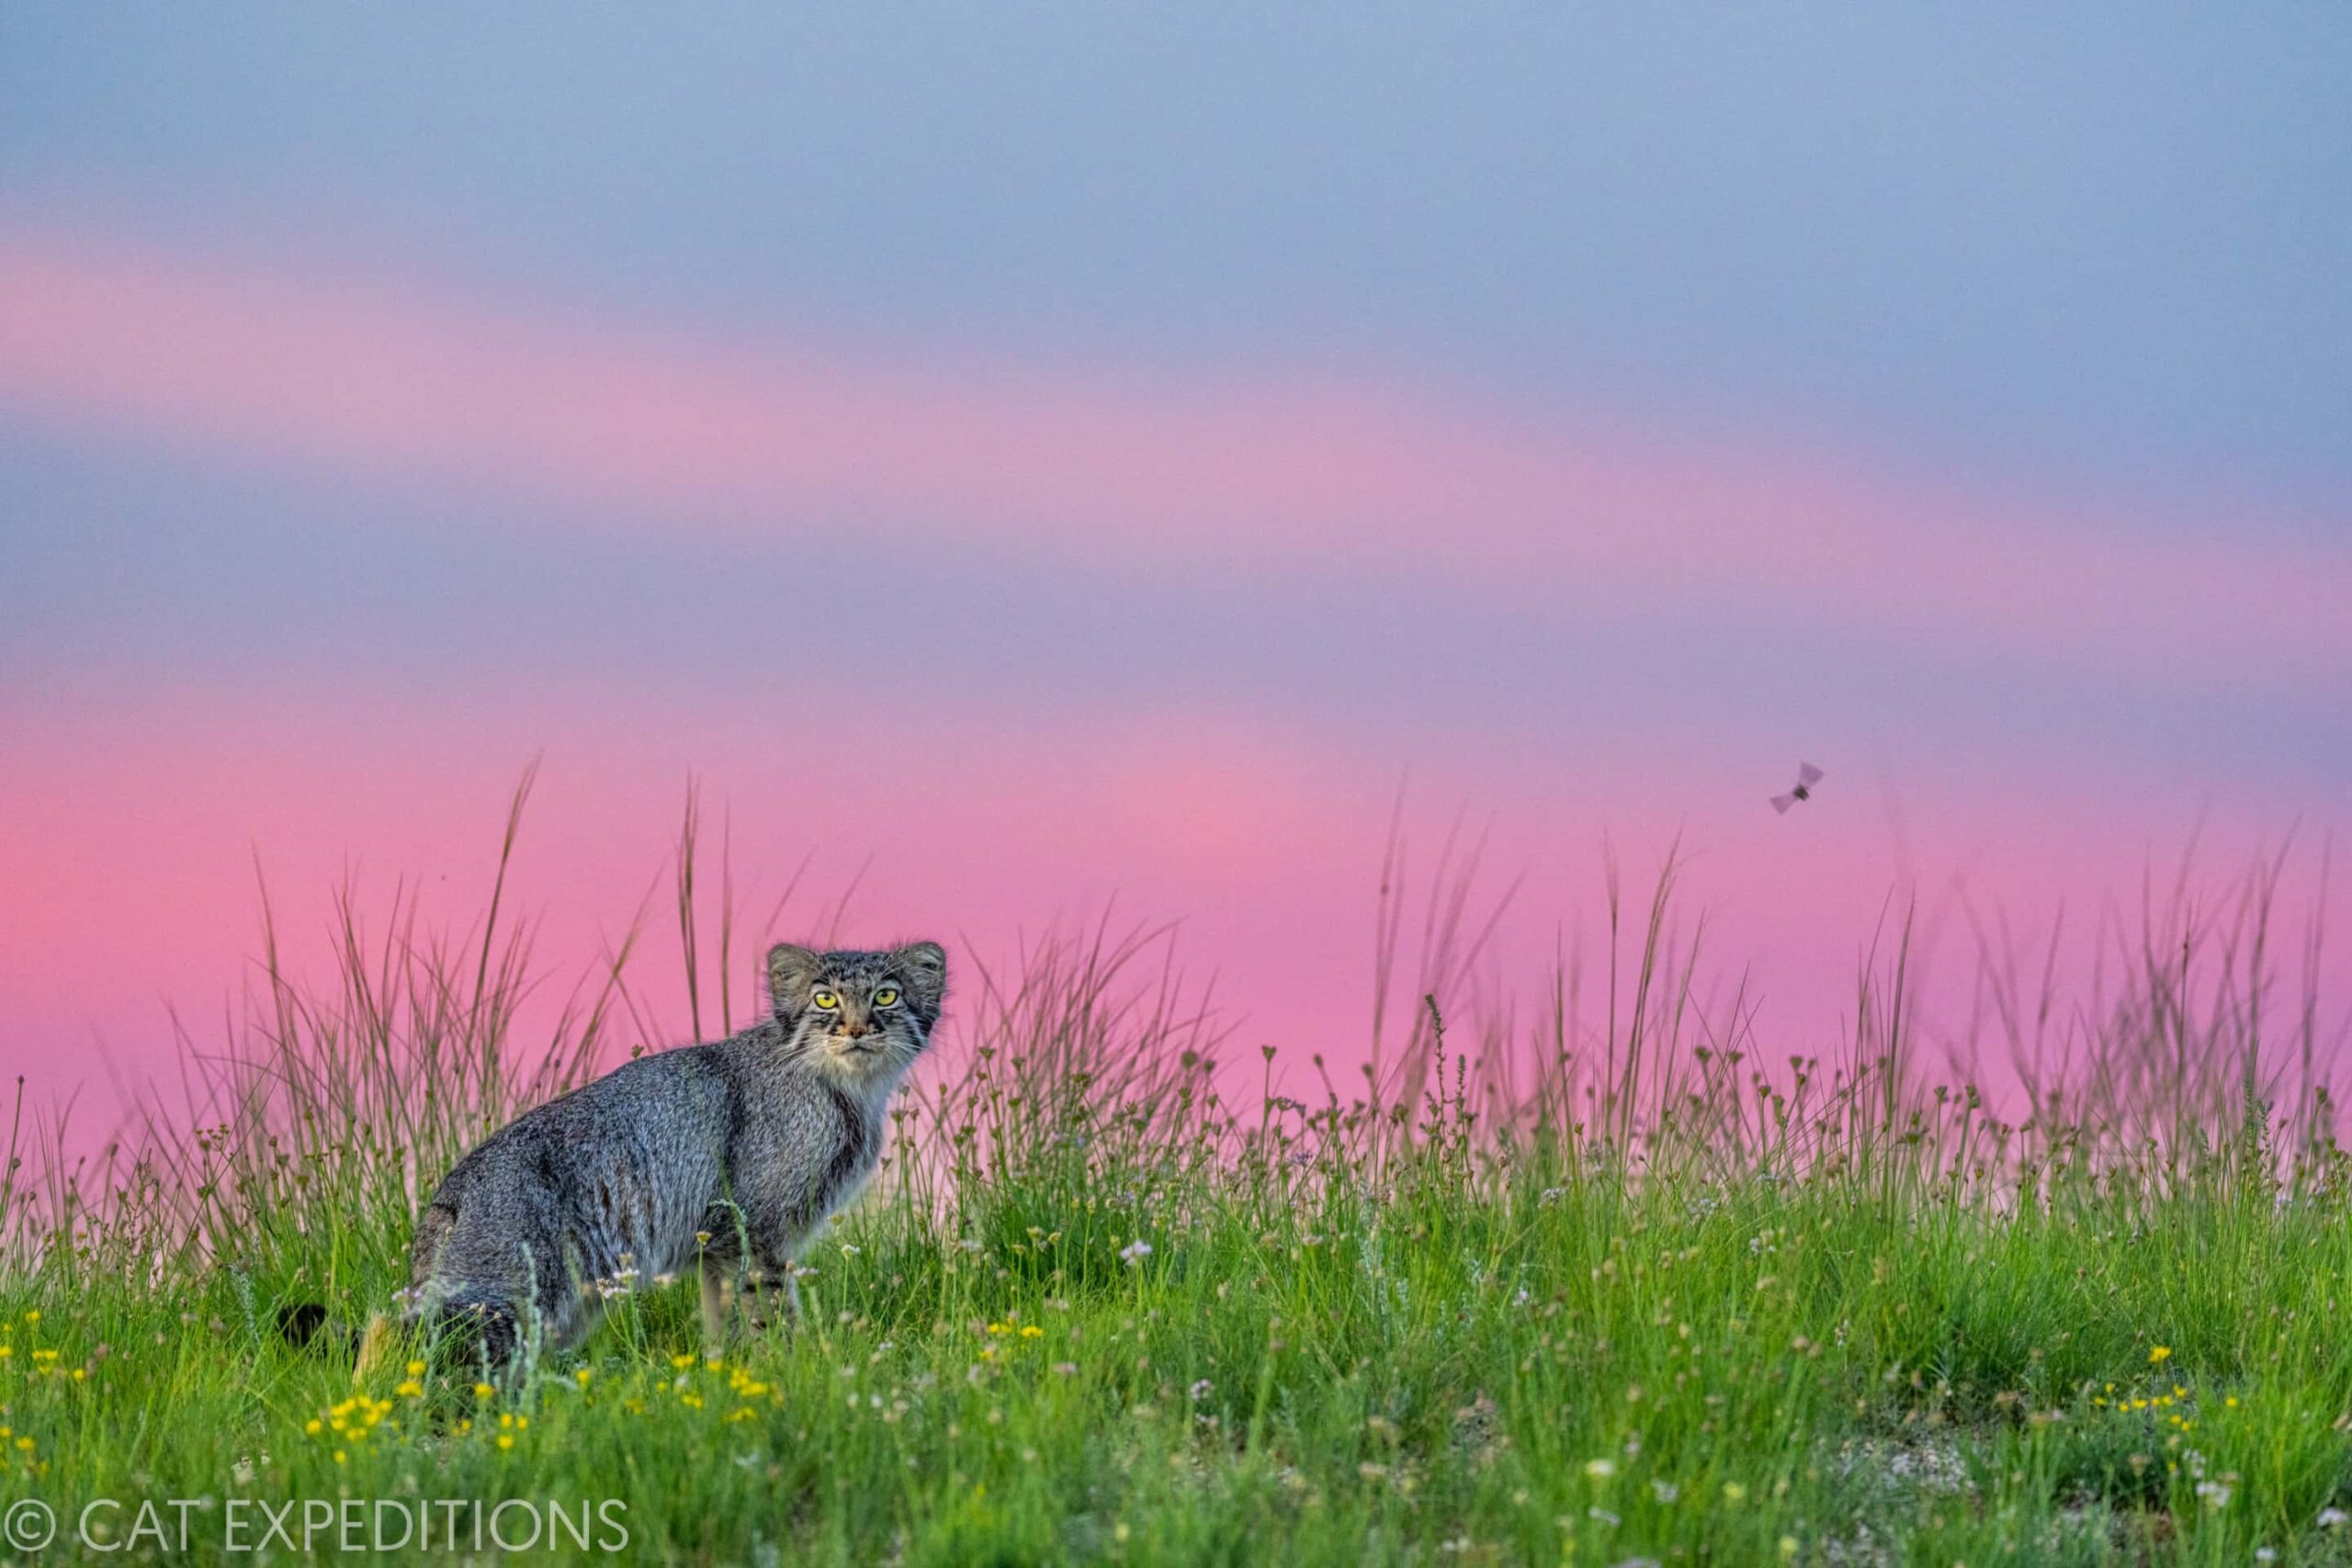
{"x":729,"y":1156}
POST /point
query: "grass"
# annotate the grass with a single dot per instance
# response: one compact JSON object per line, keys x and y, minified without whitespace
{"x":1606,"y":1295}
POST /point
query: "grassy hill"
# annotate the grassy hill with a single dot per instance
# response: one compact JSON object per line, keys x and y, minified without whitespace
{"x":1632,"y":1300}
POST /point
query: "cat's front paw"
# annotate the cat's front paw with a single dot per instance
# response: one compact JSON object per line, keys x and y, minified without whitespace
{"x":767,"y":1294}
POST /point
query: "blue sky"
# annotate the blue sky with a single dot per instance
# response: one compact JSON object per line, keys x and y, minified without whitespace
{"x":2100,"y":245}
{"x":1220,"y":414}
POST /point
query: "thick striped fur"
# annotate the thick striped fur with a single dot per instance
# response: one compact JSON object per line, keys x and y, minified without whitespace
{"x":724,"y":1157}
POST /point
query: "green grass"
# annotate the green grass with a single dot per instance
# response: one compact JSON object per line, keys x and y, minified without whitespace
{"x":1093,"y":1311}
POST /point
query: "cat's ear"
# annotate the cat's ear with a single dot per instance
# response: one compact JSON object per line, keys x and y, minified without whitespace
{"x":791,"y":972}
{"x":924,"y":966}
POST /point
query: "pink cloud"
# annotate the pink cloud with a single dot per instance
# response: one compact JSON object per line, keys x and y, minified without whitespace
{"x":128,"y":824}
{"x":1236,"y":474}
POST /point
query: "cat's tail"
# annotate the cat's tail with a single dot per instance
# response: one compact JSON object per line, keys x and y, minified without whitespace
{"x":479,"y":1330}
{"x":308,"y":1325}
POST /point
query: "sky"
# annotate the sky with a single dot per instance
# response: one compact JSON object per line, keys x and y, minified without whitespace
{"x":1034,"y":460}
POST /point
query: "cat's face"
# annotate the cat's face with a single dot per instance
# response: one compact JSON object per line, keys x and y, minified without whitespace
{"x":864,"y":1011}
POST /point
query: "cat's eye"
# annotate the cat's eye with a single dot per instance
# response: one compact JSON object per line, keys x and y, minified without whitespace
{"x":887,"y":996}
{"x":825,"y":1000}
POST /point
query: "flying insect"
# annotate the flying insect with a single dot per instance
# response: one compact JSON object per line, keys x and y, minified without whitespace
{"x":1807,"y":776}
